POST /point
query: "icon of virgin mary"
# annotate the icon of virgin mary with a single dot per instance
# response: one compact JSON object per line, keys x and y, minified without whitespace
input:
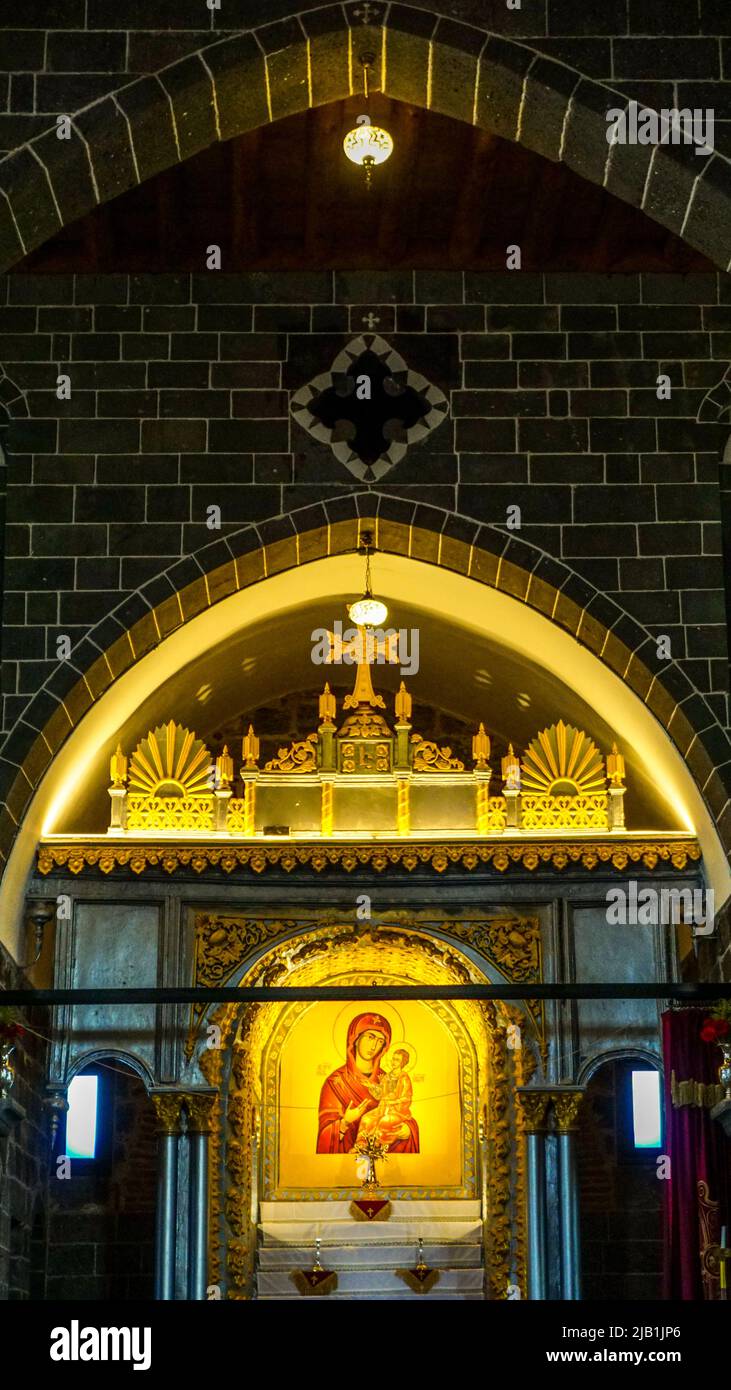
{"x":355,"y":1088}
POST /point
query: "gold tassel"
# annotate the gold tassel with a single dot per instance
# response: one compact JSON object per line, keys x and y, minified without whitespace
{"x":700,"y":1093}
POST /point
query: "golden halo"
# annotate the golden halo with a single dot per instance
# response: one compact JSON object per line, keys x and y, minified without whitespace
{"x":340,"y":1029}
{"x":387,"y":1057}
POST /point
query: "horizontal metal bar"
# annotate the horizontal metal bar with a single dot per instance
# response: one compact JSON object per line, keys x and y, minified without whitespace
{"x":246,"y":994}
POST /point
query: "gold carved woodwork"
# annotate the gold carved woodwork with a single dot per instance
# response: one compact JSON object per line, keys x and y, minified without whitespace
{"x":326,"y":808}
{"x":497,"y":814}
{"x":154,"y":812}
{"x":200,"y":1108}
{"x":221,"y":944}
{"x":526,"y":1065}
{"x":583,"y":811}
{"x":224,"y":942}
{"x":617,"y":854}
{"x":237,"y":1114}
{"x":703,"y":1094}
{"x":168,"y":1105}
{"x":500,"y":1146}
{"x":563,"y":759}
{"x":482,"y":807}
{"x":235,"y":1214}
{"x":429,"y":757}
{"x":534,"y":1105}
{"x":361,"y":751}
{"x":256,"y":1032}
{"x":241,"y":1156}
{"x":708,"y":1238}
{"x":566,"y":1109}
{"x":171,"y":761}
{"x":512,"y":943}
{"x":237,"y":1261}
{"x":403,"y":806}
{"x":237,"y":1160}
{"x":298,"y":757}
{"x":210,"y":1063}
{"x":175,"y":785}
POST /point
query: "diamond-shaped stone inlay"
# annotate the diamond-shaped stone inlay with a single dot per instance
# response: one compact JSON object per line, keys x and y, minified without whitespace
{"x":369,"y":430}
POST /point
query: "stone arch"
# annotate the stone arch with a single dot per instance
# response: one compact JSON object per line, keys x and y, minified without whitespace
{"x":428,"y":534}
{"x":134,"y":1064}
{"x":461,"y":959}
{"x":620,"y":1054}
{"x":13,"y":401}
{"x":245,"y":1118}
{"x":423,"y":57}
{"x":608,"y":1222}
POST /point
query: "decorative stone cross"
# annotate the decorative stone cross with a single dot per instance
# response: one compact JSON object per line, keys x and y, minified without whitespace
{"x":369,"y":422}
{"x":364,"y":14}
{"x":370,"y":319}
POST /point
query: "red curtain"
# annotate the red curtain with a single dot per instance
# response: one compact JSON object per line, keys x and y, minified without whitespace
{"x":697,"y":1193}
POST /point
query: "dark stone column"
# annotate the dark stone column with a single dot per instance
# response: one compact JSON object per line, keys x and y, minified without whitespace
{"x":535,"y":1104}
{"x":200,"y":1110}
{"x":168,"y":1106}
{"x":566,"y":1103}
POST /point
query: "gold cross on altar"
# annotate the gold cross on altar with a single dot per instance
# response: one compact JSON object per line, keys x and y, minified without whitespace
{"x":364,"y":648}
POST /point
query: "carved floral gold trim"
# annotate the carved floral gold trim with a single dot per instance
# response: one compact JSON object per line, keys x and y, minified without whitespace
{"x":512,"y":941}
{"x":566,"y":1106}
{"x":429,"y":757}
{"x":168,"y":1105}
{"x":532,"y":854}
{"x":297,"y":757}
{"x":224,"y":941}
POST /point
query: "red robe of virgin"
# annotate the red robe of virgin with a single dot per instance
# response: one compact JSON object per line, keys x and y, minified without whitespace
{"x":346,"y":1086}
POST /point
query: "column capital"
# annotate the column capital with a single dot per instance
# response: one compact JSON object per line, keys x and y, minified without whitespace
{"x":199,"y":1105}
{"x":566,"y":1102}
{"x":168,"y":1105}
{"x":534,"y":1104}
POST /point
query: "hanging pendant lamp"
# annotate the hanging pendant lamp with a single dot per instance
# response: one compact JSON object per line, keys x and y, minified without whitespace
{"x":367,"y":145}
{"x":367,"y":611}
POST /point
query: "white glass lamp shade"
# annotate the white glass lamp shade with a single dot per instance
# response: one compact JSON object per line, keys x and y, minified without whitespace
{"x":367,"y":612}
{"x":368,"y":145}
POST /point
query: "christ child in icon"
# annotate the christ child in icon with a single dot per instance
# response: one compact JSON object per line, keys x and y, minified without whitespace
{"x":355,"y":1091}
{"x":391,"y":1119}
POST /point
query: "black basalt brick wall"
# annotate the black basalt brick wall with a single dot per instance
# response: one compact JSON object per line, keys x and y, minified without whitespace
{"x":180,"y":390}
{"x":64,"y":55}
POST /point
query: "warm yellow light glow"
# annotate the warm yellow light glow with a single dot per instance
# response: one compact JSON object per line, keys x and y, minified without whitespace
{"x":368,"y":145}
{"x":441,"y":593}
{"x":367,"y":612}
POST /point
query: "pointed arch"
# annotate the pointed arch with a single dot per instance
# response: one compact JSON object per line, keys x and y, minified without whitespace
{"x":250,"y":79}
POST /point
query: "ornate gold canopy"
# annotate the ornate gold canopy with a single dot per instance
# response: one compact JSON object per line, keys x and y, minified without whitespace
{"x":365,"y":778}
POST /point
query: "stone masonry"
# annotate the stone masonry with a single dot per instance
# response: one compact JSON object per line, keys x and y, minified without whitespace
{"x":179,"y":400}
